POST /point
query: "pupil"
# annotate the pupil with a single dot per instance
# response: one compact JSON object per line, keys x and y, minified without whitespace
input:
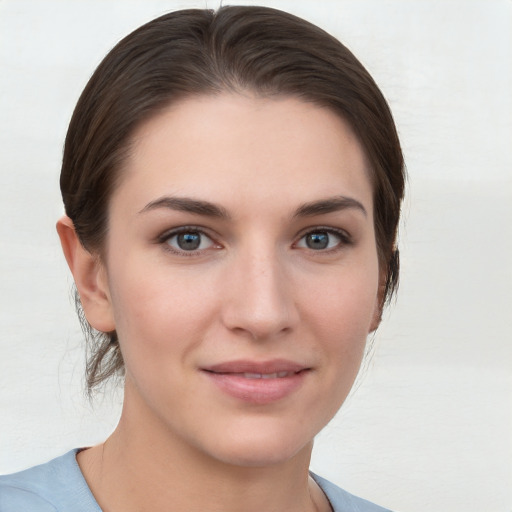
{"x":189,"y":241}
{"x":317,"y":240}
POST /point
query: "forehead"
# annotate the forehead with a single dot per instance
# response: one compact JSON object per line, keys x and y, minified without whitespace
{"x":232,"y":146}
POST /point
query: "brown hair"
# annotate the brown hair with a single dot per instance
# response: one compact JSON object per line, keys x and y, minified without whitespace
{"x":193,"y":52}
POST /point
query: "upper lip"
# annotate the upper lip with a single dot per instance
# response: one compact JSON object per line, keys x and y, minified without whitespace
{"x":263,"y":367}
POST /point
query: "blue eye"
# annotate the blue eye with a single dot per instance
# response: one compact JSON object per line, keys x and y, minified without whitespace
{"x":321,"y":240}
{"x":188,"y":241}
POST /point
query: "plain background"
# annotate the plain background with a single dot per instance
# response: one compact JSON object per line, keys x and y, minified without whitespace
{"x":429,"y":425}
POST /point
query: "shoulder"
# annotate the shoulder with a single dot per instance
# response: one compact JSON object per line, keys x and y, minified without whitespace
{"x":55,"y":486}
{"x":343,"y":501}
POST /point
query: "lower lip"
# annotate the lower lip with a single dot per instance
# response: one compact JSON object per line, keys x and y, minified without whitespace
{"x":257,"y":391}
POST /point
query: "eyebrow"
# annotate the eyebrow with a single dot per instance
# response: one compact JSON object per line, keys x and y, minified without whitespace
{"x":189,"y":205}
{"x":208,"y":209}
{"x":329,"y":205}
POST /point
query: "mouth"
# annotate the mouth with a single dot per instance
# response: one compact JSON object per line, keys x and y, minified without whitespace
{"x":248,"y":375}
{"x":257,"y":383}
{"x":258,"y":369}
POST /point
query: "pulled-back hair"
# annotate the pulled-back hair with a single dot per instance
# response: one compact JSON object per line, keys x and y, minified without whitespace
{"x":196,"y":52}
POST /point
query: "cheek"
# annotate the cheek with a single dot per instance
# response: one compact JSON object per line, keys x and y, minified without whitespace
{"x":344,"y":300}
{"x":341,"y":320}
{"x":340,"y":314}
{"x":159,"y":315}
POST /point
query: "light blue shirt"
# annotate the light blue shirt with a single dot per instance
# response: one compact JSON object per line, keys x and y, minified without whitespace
{"x":59,"y":486}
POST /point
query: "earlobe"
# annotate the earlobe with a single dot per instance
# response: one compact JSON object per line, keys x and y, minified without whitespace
{"x":377,"y":317}
{"x":89,"y":276}
{"x":379,"y":303}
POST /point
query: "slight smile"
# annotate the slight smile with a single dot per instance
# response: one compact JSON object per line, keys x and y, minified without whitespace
{"x":258,"y":383}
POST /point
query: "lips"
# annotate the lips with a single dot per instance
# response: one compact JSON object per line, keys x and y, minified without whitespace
{"x":277,"y":375}
{"x":257,"y":382}
{"x":257,"y":367}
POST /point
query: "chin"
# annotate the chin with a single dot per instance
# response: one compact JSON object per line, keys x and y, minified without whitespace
{"x":256,"y":456}
{"x":262,"y":446}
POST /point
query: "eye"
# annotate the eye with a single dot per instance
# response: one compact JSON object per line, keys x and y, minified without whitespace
{"x":323,"y":239}
{"x":187,"y":240}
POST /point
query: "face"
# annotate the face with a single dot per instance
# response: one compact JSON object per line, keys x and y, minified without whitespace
{"x":242,"y":274}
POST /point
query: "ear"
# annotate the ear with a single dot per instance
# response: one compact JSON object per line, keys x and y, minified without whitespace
{"x":90,"y":278}
{"x":379,"y":302}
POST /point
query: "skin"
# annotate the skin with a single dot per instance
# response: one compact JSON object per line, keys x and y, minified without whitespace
{"x":254,"y":290}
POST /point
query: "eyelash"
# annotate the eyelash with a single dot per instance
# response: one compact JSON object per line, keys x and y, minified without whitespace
{"x":344,"y":239}
{"x":168,"y":235}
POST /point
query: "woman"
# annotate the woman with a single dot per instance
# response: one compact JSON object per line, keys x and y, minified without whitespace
{"x":232,"y":183}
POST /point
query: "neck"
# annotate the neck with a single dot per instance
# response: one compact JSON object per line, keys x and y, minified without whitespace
{"x":143,"y":466}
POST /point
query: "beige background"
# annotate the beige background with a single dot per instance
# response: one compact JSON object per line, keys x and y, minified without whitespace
{"x":430,"y":425}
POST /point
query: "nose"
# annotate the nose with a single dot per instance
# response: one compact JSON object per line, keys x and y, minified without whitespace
{"x":259,"y":298}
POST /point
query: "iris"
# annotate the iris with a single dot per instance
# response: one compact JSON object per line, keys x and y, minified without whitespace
{"x":189,"y":241}
{"x":317,"y":240}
